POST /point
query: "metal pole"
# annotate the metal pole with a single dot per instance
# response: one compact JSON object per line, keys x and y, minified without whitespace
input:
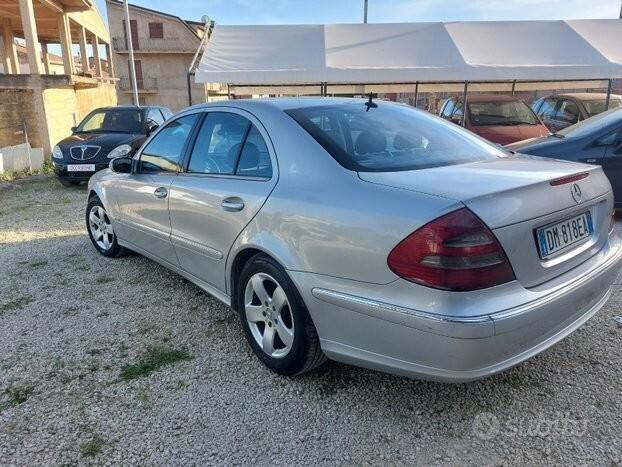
{"x":416,"y":93}
{"x":620,"y":11}
{"x":188,"y":82}
{"x":464,"y":103}
{"x":228,"y":91}
{"x":130,"y":47}
{"x":513,"y":87}
{"x":610,"y":83}
{"x":365,"y":13}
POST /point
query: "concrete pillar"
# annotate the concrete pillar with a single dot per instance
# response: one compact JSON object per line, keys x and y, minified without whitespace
{"x":84,"y":56}
{"x":27,"y":12}
{"x":65,"y":43}
{"x":96,"y":58}
{"x":10,"y":51}
{"x":110,"y":61}
{"x":46,"y":58}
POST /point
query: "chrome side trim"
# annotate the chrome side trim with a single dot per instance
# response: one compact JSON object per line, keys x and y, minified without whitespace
{"x":451,"y":326}
{"x":191,"y":245}
{"x":144,"y":229}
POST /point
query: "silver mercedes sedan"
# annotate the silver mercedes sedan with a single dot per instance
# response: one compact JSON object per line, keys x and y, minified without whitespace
{"x":366,"y":232}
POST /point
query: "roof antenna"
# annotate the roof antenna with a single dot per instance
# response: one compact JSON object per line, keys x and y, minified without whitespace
{"x":369,"y":104}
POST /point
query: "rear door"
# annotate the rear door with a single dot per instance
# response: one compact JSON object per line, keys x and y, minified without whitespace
{"x":143,"y":196}
{"x":230,"y":173}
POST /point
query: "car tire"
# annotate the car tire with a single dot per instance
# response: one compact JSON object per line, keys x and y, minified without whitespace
{"x":68,"y":182}
{"x":101,"y":233}
{"x":277,"y":310}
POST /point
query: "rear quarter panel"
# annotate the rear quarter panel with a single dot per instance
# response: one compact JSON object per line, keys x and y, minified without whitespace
{"x":322,"y":218}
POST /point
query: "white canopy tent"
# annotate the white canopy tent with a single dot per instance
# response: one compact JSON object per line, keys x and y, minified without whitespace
{"x":388,"y":57}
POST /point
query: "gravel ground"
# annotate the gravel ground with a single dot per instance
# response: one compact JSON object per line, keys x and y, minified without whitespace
{"x":72,"y":321}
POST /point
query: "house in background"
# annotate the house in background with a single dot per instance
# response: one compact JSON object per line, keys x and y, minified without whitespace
{"x":164,"y":46}
{"x":41,"y":101}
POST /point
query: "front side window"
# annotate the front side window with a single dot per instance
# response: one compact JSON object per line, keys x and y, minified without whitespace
{"x":165,"y":151}
{"x":390,"y":137}
{"x":218,"y":143}
{"x":155,"y":116}
{"x":547,"y":109}
{"x":506,"y":113}
{"x":568,"y":112}
{"x":112,"y":121}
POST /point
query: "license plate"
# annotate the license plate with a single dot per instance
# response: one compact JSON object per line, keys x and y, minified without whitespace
{"x":559,"y":236}
{"x":81,"y":168}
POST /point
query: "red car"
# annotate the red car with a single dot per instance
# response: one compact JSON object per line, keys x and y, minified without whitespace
{"x":500,"y":119}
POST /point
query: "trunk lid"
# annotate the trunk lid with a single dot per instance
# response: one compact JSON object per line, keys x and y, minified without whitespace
{"x":514,"y":197}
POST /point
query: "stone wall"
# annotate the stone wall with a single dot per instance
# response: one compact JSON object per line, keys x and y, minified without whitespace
{"x":48,"y":104}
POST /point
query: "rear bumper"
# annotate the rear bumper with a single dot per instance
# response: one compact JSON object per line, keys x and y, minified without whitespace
{"x":378,"y":334}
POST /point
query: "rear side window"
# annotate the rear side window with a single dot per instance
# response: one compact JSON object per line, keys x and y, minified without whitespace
{"x":229,"y":144}
{"x":164,"y":152}
{"x":390,"y":137}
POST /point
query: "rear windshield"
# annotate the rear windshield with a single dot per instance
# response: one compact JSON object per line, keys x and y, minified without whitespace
{"x":390,"y":137}
{"x":504,"y":113}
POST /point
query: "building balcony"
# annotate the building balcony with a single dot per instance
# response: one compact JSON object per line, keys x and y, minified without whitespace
{"x":154,"y":46}
{"x":144,"y":85}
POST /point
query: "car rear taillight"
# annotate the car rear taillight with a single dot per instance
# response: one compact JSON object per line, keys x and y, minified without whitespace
{"x":454,"y":252}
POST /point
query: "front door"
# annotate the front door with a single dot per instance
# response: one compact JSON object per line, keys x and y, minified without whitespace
{"x":143,"y":196}
{"x":229,"y":176}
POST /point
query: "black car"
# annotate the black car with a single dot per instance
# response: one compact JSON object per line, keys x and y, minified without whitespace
{"x":596,"y":140}
{"x":104,"y":134}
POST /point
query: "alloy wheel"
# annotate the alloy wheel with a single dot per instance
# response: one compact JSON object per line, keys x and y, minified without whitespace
{"x":269,"y":315}
{"x":101,"y":227}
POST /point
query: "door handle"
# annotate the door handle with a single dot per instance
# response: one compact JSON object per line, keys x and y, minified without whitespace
{"x":232,"y":204}
{"x":160,"y":192}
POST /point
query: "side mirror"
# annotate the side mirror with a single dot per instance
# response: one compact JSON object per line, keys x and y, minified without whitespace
{"x":151,"y":127}
{"x":121,"y":165}
{"x":73,"y":129}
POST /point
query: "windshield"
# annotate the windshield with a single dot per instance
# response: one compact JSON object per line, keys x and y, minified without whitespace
{"x":590,"y":125}
{"x":598,"y":106}
{"x":390,"y":137}
{"x":501,"y":113}
{"x":112,"y":121}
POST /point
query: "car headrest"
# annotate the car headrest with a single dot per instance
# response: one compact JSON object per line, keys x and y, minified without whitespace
{"x":370,"y":141}
{"x":404,"y":140}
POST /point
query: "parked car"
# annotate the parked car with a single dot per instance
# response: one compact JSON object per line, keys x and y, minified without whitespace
{"x":104,"y":134}
{"x":367,"y":232}
{"x":562,"y":110}
{"x":597,"y":140}
{"x":497,"y":118}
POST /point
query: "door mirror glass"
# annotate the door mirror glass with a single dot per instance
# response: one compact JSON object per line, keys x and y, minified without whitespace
{"x":122,"y":165}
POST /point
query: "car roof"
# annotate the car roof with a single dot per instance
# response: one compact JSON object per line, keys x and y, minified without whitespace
{"x":488,"y":98}
{"x":282,"y":103}
{"x":129,"y":107}
{"x":586,"y":96}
